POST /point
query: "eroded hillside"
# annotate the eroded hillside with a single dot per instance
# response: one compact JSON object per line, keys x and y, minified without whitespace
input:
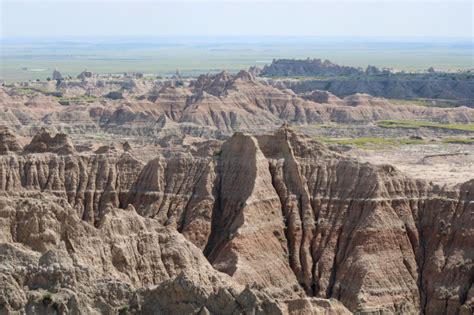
{"x":272,"y":223}
{"x":212,"y":106}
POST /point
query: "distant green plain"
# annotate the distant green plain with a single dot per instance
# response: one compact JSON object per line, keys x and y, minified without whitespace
{"x":36,"y":59}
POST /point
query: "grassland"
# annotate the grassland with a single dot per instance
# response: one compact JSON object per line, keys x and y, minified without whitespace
{"x":425,"y":102}
{"x":456,"y":140}
{"x":76,"y":100}
{"x":27,"y":60}
{"x":415,"y":124}
{"x":370,"y":142}
{"x":373,"y":143}
{"x":32,"y":90}
{"x":61,"y":99}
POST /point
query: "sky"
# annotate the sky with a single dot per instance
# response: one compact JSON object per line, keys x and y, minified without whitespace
{"x":340,"y":18}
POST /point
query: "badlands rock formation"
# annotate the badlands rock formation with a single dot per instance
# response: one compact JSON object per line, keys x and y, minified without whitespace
{"x":212,"y":106}
{"x":344,"y":81}
{"x":8,"y":141}
{"x":44,"y":142}
{"x":269,"y":224}
{"x":431,"y":87}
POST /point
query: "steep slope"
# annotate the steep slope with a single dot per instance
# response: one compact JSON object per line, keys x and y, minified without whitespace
{"x":178,"y":192}
{"x":364,"y":238}
{"x":90,"y":183}
{"x":44,"y":142}
{"x":246,"y":239}
{"x":8,"y":141}
{"x":53,"y":262}
{"x":344,"y":81}
{"x":212,"y":105}
{"x":280,"y":213}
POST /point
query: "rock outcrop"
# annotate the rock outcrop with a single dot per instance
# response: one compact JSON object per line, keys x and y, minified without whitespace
{"x":44,"y":142}
{"x":85,"y":75}
{"x":343,"y":81}
{"x":274,"y":224}
{"x":57,"y":75}
{"x":308,"y":67}
{"x":8,"y":141}
{"x":246,"y":196}
{"x":211,"y":106}
{"x":439,"y":89}
{"x":54,"y":262}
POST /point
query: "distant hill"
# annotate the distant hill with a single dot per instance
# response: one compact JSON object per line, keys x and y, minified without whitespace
{"x":314,"y":74}
{"x":308,"y":67}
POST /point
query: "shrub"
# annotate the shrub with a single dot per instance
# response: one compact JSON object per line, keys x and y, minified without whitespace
{"x":47,"y":298}
{"x":124,"y":309}
{"x":114,"y":95}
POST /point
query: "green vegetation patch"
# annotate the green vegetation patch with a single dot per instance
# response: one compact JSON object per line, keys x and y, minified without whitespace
{"x":426,"y":102}
{"x":28,"y":90}
{"x":455,"y":140}
{"x":75,"y":100}
{"x":371,"y":142}
{"x":124,"y":309}
{"x":414,"y":124}
{"x":46,"y":298}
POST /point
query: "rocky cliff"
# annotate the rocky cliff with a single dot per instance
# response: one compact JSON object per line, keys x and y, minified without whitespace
{"x":270,"y":224}
{"x":212,"y":106}
{"x":8,"y":141}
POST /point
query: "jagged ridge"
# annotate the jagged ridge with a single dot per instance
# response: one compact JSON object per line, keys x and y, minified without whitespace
{"x":284,"y":212}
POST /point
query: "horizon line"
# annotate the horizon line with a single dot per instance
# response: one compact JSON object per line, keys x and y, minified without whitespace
{"x":235,"y":36}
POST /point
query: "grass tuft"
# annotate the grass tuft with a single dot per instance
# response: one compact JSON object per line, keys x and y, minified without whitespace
{"x":46,"y":298}
{"x":426,"y":102}
{"x":124,"y":309}
{"x":458,"y":140}
{"x":371,"y":142}
{"x":415,"y":124}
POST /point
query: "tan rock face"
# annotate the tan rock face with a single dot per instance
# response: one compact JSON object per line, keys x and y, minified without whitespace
{"x":304,"y":228}
{"x":215,"y":104}
{"x":89,"y":183}
{"x":44,"y":142}
{"x":52,"y":261}
{"x":245,"y":196}
{"x":47,"y":248}
{"x":366,"y":231}
{"x":8,"y":141}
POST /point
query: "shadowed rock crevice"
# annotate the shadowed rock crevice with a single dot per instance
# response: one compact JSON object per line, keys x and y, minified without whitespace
{"x":236,"y":171}
{"x":295,"y":202}
{"x":237,"y":245}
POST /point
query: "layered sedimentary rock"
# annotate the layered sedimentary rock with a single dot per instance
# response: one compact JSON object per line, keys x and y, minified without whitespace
{"x":211,"y":105}
{"x":8,"y":141}
{"x":274,"y":224}
{"x":364,"y":235}
{"x":459,"y":90}
{"x":344,"y":81}
{"x":90,"y":183}
{"x":44,"y":142}
{"x":53,"y":262}
{"x":245,"y":195}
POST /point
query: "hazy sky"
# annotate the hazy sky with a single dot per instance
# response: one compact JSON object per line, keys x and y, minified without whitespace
{"x":383,"y":18}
